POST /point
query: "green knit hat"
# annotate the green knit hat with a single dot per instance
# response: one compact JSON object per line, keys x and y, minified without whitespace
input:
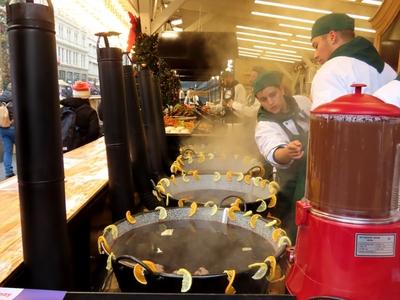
{"x":335,"y":22}
{"x":271,"y":78}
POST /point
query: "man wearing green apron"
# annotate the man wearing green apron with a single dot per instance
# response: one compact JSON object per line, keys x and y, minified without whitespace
{"x":345,"y":60}
{"x":281,"y":135}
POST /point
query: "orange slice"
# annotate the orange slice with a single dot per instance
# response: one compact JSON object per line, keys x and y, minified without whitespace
{"x":193,"y":209}
{"x":217,"y":176}
{"x":237,"y":202}
{"x":272,"y":201}
{"x":229,"y":175}
{"x":262,"y":207}
{"x":164,"y":181}
{"x":130,"y":218}
{"x":102,"y":245}
{"x":247,"y":179}
{"x":163,"y":212}
{"x":210,"y":156}
{"x":240,"y":176}
{"x":186,"y":280}
{"x":247,"y":213}
{"x":109,"y":261}
{"x":181,"y":202}
{"x":257,"y":181}
{"x":277,"y":234}
{"x":231,"y":212}
{"x":138,"y":271}
{"x":261,"y":272}
{"x":271,"y":261}
{"x":113,"y":229}
{"x":263,"y":183}
{"x":155,"y":193}
{"x":184,"y":178}
{"x":253,"y":220}
{"x":160,"y":188}
{"x":230,"y":290}
{"x":274,"y":187}
{"x":201,"y":158}
{"x":173,"y":179}
{"x":272,"y":223}
{"x":214,"y":207}
{"x":284,"y":240}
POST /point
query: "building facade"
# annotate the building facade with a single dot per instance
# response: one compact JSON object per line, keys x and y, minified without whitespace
{"x":76,"y":51}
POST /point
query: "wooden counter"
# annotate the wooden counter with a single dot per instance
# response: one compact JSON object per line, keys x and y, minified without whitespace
{"x":85,"y":175}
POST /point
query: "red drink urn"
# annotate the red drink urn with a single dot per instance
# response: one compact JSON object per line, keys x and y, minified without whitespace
{"x":349,"y":220}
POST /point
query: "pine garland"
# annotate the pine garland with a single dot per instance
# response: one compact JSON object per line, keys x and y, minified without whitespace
{"x":147,"y":55}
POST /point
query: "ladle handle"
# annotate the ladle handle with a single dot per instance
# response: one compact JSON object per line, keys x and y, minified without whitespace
{"x":231,"y":196}
{"x":136,"y":260}
{"x":261,"y":171}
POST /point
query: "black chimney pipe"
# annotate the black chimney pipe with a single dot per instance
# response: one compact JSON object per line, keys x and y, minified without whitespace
{"x":33,"y":62}
{"x":120,"y":180}
{"x":151,"y":123}
{"x":137,"y":141}
{"x":158,"y":112}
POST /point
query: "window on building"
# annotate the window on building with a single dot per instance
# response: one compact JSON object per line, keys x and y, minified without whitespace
{"x":69,"y":34}
{"x":61,"y":74}
{"x":76,"y":37}
{"x":69,"y":77}
{"x":83,"y":60}
{"x":60,"y":30}
{"x":76,"y":76}
{"x":62,"y":55}
{"x":75,"y":58}
{"x":83,"y":77}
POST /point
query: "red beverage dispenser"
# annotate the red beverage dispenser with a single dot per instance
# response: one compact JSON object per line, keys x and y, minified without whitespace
{"x":349,"y":221}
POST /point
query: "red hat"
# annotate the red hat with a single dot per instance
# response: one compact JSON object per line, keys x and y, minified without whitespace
{"x":81,"y":89}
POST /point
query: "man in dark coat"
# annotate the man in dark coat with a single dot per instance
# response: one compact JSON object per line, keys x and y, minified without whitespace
{"x":87,"y":121}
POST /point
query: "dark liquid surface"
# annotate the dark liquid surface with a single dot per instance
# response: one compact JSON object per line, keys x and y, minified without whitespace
{"x":351,"y":164}
{"x":193,"y":244}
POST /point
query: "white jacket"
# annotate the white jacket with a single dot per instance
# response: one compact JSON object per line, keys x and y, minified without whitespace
{"x":390,"y":93}
{"x":335,"y":77}
{"x":270,"y":136}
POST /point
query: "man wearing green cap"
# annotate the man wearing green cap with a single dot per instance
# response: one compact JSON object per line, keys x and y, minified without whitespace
{"x":390,"y":93}
{"x":345,"y":60}
{"x":281,"y":135}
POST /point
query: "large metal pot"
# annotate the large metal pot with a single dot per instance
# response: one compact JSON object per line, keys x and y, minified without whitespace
{"x":209,"y":162}
{"x":222,"y":189}
{"x":123,"y":260}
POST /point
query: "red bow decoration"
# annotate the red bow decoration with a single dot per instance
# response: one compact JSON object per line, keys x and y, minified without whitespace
{"x":132,"y":32}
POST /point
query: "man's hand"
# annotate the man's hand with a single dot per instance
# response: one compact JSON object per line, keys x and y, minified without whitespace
{"x":292,"y":150}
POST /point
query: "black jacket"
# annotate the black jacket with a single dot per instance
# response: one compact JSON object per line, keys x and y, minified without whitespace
{"x":86,"y":119}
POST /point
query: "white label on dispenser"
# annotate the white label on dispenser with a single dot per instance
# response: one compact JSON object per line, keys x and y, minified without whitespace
{"x":375,"y":245}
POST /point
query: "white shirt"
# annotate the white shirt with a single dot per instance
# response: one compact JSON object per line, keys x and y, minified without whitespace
{"x":270,"y":135}
{"x":335,"y":77}
{"x":390,"y":93}
{"x":192,"y":100}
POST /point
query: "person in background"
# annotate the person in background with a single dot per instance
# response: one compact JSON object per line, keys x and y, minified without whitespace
{"x":345,"y":60}
{"x":191,"y":98}
{"x":390,"y":93}
{"x":87,"y":120}
{"x":232,"y":90}
{"x":281,"y":135}
{"x":8,"y":133}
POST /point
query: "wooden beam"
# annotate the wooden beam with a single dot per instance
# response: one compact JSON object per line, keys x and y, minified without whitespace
{"x":134,"y":6}
{"x":196,"y":25}
{"x":145,"y":12}
{"x":165,"y":15}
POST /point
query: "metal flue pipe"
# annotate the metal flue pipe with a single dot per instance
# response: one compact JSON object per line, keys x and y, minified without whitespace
{"x":120,"y":180}
{"x":151,"y":123}
{"x":136,"y":139}
{"x":33,"y":62}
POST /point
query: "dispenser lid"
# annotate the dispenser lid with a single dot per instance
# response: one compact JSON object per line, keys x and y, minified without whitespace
{"x":358,"y":104}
